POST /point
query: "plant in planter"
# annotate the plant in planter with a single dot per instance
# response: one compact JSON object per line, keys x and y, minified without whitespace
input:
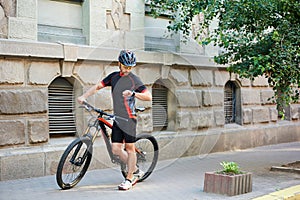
{"x":230,"y":168}
{"x":230,"y":180}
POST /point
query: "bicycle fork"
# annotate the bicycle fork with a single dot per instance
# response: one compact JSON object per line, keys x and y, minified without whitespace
{"x":78,"y":161}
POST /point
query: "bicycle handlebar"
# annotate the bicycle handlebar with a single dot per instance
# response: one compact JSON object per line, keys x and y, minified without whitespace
{"x":90,"y":107}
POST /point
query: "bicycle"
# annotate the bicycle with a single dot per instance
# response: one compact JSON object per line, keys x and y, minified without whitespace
{"x":76,"y":159}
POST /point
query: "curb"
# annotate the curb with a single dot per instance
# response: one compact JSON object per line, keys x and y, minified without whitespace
{"x":285,"y":169}
{"x":291,"y":193}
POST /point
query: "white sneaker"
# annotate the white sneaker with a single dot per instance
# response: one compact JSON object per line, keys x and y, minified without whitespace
{"x":139,"y":174}
{"x":125,"y":185}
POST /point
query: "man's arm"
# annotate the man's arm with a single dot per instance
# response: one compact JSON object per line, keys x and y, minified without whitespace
{"x":90,"y":92}
{"x":144,"y":96}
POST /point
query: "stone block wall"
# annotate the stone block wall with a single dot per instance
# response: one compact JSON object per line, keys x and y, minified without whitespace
{"x":197,"y":103}
{"x":195,"y":90}
{"x":198,"y":91}
{"x":23,"y":107}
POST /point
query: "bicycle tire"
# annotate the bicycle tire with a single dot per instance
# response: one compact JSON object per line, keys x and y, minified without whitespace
{"x":71,"y":169}
{"x":147,"y":157}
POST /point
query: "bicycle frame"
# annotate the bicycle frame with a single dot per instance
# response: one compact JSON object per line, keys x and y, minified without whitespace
{"x":100,"y":124}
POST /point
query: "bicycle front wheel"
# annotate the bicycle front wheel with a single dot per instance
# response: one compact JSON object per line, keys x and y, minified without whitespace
{"x":147,"y":155}
{"x":74,"y":163}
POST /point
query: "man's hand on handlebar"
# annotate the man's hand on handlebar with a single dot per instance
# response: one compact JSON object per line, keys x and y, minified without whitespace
{"x":81,"y":99}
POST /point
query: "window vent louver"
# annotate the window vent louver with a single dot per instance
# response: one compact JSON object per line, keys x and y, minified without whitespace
{"x":160,"y":106}
{"x":229,"y":103}
{"x":61,"y":108}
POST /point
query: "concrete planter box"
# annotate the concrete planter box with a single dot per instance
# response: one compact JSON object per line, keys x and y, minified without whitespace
{"x":226,"y":184}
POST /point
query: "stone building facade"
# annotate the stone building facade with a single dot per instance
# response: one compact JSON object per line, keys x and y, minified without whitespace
{"x":54,"y":49}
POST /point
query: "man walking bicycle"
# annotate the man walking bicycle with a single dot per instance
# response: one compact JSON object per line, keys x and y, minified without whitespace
{"x":125,"y":87}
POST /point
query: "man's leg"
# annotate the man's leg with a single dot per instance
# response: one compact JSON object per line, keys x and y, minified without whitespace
{"x":128,"y":156}
{"x":118,"y":149}
{"x":131,"y":160}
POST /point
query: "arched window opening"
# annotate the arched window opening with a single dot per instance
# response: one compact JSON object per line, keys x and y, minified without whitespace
{"x":159,"y":106}
{"x":230,"y":102}
{"x":61,"y":107}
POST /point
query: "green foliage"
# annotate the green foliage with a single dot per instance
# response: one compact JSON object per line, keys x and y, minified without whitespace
{"x":259,"y":38}
{"x":230,"y":168}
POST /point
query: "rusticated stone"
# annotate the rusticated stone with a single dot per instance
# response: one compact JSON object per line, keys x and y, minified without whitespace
{"x":3,"y":23}
{"x":247,"y":116}
{"x":221,"y":77}
{"x":22,"y":28}
{"x":260,"y":81}
{"x":144,"y":123}
{"x":38,"y":130}
{"x":11,"y":71}
{"x":273,"y":114}
{"x":266,"y":96}
{"x":250,"y":97}
{"x":213,"y":98}
{"x":179,"y":76}
{"x":202,"y":77}
{"x":41,"y":73}
{"x":12,"y":132}
{"x":200,"y":119}
{"x":9,"y":7}
{"x":261,"y":115}
{"x":295,"y":112}
{"x":188,"y":98}
{"x":219,"y":117}
{"x":183,"y":119}
{"x":148,"y":74}
{"x":23,"y":101}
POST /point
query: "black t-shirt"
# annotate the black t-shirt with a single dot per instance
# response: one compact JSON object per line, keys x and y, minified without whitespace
{"x":123,"y":107}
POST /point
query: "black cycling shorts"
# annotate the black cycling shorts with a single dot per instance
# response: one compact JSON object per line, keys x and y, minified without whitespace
{"x":120,"y":135}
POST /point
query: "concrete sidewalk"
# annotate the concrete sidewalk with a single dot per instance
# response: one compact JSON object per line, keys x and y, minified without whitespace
{"x":181,"y":178}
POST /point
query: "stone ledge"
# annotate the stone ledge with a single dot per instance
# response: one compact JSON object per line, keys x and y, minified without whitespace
{"x":55,"y":50}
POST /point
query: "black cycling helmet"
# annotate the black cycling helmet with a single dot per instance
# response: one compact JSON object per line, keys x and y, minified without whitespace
{"x":127,"y":58}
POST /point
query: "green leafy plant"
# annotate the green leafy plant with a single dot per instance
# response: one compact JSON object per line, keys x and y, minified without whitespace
{"x":230,"y":168}
{"x":258,"y":38}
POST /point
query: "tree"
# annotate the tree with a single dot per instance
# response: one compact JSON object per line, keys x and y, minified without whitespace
{"x":259,"y":37}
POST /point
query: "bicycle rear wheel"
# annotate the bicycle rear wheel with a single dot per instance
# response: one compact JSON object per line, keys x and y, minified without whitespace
{"x":74,"y":163}
{"x":147,"y":155}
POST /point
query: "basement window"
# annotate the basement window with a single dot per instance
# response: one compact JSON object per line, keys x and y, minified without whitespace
{"x":61,"y":107}
{"x":232,"y":103}
{"x":229,"y":103}
{"x":159,"y":106}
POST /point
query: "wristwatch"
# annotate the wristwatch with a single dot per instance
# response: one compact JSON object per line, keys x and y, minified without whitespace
{"x":133,"y":93}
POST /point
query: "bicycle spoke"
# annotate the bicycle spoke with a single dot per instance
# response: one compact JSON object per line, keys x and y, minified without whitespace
{"x":146,"y":155}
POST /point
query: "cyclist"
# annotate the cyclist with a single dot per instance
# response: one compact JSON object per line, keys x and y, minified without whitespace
{"x":125,"y":87}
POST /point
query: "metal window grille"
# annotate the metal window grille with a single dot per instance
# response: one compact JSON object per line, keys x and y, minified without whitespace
{"x":61,"y":107}
{"x":229,"y":102}
{"x":159,"y":106}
